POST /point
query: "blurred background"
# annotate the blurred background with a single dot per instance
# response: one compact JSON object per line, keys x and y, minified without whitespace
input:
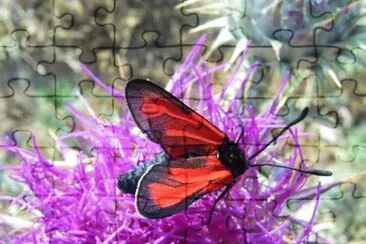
{"x":321,"y":43}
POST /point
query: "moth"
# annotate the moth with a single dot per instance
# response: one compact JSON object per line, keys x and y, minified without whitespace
{"x":198,"y":157}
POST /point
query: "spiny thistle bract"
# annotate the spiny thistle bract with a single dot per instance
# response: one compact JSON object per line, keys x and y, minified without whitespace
{"x":81,"y":203}
{"x":324,"y":36}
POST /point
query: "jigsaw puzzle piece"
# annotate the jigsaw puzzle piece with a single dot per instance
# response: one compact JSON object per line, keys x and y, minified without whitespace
{"x":34,"y":18}
{"x":95,"y":96}
{"x":152,"y":38}
{"x":87,"y":19}
{"x":21,"y":61}
{"x":336,"y":210}
{"x":348,"y":115}
{"x":152,"y":56}
{"x":19,"y":113}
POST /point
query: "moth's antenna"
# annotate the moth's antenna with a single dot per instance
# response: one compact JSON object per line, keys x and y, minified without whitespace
{"x":294,"y":122}
{"x":306,"y":171}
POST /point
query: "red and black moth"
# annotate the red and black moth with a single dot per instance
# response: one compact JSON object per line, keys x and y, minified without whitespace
{"x":198,"y":157}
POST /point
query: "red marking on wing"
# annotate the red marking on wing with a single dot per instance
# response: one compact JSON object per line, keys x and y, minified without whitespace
{"x":167,"y":188}
{"x":153,"y":107}
{"x":167,"y":121}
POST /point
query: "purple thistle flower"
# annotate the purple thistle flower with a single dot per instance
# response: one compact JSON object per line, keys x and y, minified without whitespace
{"x":77,"y":200}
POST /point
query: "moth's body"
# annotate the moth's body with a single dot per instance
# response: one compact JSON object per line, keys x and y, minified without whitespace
{"x":229,"y":153}
{"x":128,"y":181}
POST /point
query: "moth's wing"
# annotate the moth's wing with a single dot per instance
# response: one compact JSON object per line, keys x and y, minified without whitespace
{"x":170,"y":187}
{"x":165,"y":120}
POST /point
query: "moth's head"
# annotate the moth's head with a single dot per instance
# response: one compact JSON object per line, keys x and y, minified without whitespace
{"x":233,"y":157}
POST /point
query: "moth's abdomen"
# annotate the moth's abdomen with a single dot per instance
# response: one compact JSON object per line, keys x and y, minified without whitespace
{"x":128,"y":181}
